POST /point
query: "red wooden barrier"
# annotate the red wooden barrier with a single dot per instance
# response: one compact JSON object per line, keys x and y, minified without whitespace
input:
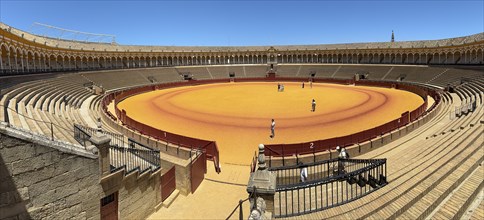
{"x":210,"y":147}
{"x":279,"y":150}
{"x":197,"y":171}
{"x":168,"y":183}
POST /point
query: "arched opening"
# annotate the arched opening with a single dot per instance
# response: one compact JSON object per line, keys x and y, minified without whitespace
{"x":124,"y":62}
{"x":435,"y":58}
{"x":391,"y":58}
{"x":457,"y":57}
{"x":29,"y":62}
{"x":19,"y":60}
{"x":335,"y":58}
{"x":102,"y":62}
{"x":449,"y":58}
{"x":136,"y":62}
{"x":409,"y":58}
{"x":67,"y":62}
{"x":170,"y":61}
{"x":344,"y":58}
{"x":130,"y":62}
{"x":398,"y":59}
{"x":418,"y":58}
{"x":42,"y":62}
{"x":36,"y":61}
{"x":158,"y":61}
{"x":52,"y":63}
{"x":359,"y":58}
{"x":88,"y":63}
{"x":96,"y":63}
{"x":4,"y":59}
{"x":442,"y":58}
{"x":480,"y":56}
{"x":78,"y":63}
{"x":116,"y":62}
{"x":12,"y":59}
{"x":381,"y":58}
{"x":59,"y":62}
{"x":264,"y":59}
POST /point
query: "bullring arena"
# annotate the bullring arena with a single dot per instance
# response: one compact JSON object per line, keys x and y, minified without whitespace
{"x":238,"y":115}
{"x":99,"y":130}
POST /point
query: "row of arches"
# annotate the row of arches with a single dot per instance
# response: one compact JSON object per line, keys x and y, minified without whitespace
{"x":15,"y":60}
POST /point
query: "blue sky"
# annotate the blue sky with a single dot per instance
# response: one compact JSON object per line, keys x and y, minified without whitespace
{"x":232,"y":23}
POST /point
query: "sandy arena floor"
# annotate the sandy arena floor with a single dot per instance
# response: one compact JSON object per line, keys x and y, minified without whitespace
{"x":238,"y":115}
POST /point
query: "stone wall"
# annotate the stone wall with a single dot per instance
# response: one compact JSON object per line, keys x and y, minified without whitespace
{"x":37,"y":181}
{"x":139,"y":195}
{"x":182,"y":173}
{"x":43,"y":179}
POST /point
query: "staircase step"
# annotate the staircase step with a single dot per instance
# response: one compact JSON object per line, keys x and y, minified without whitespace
{"x":168,"y":201}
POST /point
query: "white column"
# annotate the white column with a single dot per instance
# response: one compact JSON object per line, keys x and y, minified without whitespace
{"x":33,"y":61}
{"x":15,"y":62}
{"x":1,"y":62}
{"x":28,"y":63}
{"x":22,"y":59}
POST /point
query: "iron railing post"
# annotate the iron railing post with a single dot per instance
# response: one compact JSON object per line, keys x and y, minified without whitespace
{"x":52,"y":131}
{"x":241,"y":212}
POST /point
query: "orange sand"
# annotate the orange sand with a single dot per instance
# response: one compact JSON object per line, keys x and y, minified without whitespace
{"x":238,"y":115}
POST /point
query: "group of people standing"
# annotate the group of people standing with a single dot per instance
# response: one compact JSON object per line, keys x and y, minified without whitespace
{"x":340,"y":169}
{"x":273,"y":122}
{"x":280,"y":88}
{"x":310,"y":84}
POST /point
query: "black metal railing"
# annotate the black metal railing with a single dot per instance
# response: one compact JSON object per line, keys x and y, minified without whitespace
{"x":135,"y":156}
{"x":140,"y":150}
{"x":252,"y":196}
{"x":116,"y":139}
{"x":133,"y":159}
{"x":330,"y":183}
{"x":81,"y":136}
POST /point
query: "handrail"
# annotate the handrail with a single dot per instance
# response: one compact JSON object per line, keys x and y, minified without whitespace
{"x":36,"y":120}
{"x":372,"y":163}
{"x":116,"y":139}
{"x":253,"y":194}
{"x":348,"y":185}
{"x":145,"y":156}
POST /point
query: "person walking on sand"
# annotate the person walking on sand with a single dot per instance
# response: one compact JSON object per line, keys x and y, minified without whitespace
{"x":273,"y":127}
{"x":313,"y":105}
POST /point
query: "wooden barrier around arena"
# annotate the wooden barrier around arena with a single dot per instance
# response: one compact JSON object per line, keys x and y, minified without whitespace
{"x":374,"y":137}
{"x":382,"y":132}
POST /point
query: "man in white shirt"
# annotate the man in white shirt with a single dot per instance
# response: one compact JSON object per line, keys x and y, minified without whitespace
{"x":273,"y":127}
{"x":304,"y":173}
{"x":313,"y":105}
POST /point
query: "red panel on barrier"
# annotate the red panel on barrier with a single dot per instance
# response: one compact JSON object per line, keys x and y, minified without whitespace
{"x":198,"y":168}
{"x":168,"y":183}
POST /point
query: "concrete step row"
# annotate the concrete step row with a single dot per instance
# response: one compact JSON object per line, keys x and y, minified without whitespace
{"x":407,"y":183}
{"x":453,"y":207}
